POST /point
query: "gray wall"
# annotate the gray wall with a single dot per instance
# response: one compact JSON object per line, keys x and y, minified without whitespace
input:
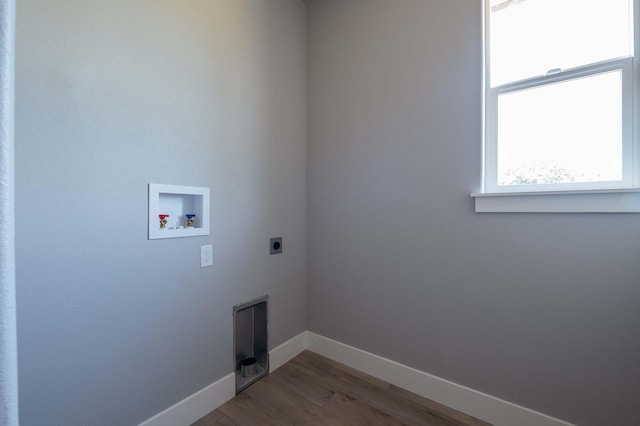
{"x":112,"y":95}
{"x":8,"y":337}
{"x":541,"y":310}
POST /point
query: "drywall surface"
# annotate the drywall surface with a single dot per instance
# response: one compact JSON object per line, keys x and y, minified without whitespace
{"x":539,"y":309}
{"x":113,"y":95}
{"x":8,"y":349}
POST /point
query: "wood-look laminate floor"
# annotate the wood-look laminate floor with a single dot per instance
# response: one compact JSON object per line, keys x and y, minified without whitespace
{"x":314,"y":390}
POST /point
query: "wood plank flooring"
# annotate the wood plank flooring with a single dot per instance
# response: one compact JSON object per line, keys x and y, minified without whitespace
{"x":314,"y":390}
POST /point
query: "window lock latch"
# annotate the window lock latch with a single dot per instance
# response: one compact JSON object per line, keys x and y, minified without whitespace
{"x":554,"y":71}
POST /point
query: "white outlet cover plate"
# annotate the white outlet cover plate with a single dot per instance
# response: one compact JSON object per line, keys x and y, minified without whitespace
{"x":206,"y":256}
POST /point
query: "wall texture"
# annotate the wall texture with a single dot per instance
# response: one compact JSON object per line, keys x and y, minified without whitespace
{"x":112,"y":95}
{"x":541,"y":310}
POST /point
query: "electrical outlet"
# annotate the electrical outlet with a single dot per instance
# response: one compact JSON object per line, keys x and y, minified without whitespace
{"x":206,"y":256}
{"x":275,"y":245}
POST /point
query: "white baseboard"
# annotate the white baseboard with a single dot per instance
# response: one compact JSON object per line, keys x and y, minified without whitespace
{"x":472,"y":402}
{"x":196,"y":406}
{"x":208,"y":399}
{"x":287,"y":351}
{"x":469,"y":401}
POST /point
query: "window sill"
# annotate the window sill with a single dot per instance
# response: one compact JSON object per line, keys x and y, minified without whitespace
{"x":584,"y":201}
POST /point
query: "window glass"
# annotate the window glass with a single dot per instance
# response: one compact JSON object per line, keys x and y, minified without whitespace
{"x":564,"y":132}
{"x":531,"y":37}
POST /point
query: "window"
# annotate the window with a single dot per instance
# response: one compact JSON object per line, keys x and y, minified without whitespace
{"x":560,"y":80}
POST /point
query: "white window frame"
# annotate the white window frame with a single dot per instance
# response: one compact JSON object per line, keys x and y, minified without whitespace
{"x":620,"y":196}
